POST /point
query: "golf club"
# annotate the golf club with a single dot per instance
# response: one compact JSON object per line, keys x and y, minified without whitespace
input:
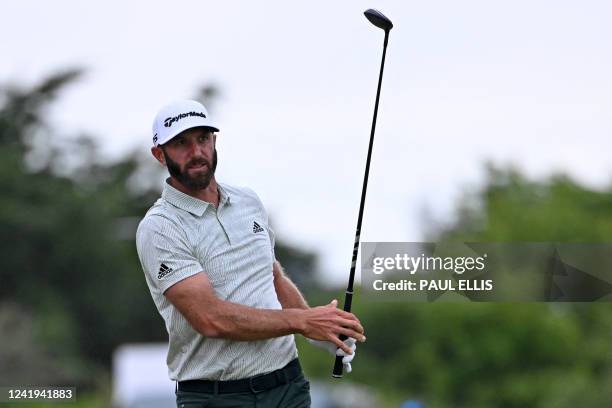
{"x":381,"y":21}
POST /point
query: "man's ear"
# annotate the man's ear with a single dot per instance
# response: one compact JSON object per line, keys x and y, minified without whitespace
{"x":157,"y":152}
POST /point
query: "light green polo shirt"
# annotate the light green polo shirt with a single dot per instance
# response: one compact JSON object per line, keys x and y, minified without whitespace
{"x":233,"y":245}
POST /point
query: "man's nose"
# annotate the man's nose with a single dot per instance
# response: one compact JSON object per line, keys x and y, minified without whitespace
{"x":196,"y":149}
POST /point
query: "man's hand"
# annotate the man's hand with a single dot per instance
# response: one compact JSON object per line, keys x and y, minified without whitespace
{"x":335,"y":351}
{"x":327,"y":322}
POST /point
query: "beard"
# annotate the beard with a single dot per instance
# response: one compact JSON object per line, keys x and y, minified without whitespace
{"x":200,"y":180}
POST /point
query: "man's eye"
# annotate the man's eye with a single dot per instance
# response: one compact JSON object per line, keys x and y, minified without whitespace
{"x":203,"y":138}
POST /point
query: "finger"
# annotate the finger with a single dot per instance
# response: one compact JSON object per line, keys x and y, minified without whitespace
{"x":356,"y":324}
{"x":349,"y":324}
{"x":333,"y":303}
{"x":340,"y":344}
{"x":340,"y":352}
{"x":347,"y":315}
{"x":348,"y":359}
{"x":351,"y":333}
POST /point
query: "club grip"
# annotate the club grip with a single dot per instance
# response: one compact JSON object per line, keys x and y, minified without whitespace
{"x":338,"y":366}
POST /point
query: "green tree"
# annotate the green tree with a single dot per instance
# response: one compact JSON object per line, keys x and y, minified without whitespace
{"x":62,"y":260}
{"x":512,"y":208}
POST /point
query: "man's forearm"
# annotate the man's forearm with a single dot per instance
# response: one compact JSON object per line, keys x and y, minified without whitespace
{"x":288,"y":294}
{"x":243,"y":323}
{"x":237,"y":322}
{"x":213,"y":317}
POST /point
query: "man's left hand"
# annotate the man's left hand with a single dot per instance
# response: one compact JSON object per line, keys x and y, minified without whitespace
{"x":335,"y":351}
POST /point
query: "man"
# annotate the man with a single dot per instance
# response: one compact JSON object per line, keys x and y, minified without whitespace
{"x":208,"y":256}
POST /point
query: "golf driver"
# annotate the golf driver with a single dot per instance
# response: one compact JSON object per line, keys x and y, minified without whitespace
{"x":381,"y":21}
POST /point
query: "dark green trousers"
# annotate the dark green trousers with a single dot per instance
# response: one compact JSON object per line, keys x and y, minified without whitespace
{"x":295,"y":394}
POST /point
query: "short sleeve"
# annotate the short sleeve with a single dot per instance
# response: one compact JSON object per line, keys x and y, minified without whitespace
{"x":165,"y":253}
{"x":272,"y":240}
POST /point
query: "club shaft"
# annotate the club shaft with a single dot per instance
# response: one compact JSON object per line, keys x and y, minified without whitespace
{"x":348,"y":296}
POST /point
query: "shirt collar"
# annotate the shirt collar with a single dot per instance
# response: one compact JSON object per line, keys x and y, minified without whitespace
{"x":192,"y":204}
{"x":225,"y":196}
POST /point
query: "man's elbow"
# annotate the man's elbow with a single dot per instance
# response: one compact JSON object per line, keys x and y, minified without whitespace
{"x":211,"y":329}
{"x":211,"y":332}
{"x":211,"y":325}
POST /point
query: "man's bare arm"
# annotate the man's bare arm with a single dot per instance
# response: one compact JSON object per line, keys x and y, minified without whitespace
{"x":194,"y":297}
{"x":288,"y":294}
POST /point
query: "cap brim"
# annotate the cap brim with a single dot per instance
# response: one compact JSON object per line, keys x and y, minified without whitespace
{"x":184,"y":128}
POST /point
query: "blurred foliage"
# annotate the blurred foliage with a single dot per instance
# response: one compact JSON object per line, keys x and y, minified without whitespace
{"x":512,"y":208}
{"x":63,"y":262}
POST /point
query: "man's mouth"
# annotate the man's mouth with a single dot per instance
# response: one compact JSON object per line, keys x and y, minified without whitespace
{"x":198,"y":166}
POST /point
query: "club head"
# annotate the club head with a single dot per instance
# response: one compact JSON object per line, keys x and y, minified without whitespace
{"x":378,"y":19}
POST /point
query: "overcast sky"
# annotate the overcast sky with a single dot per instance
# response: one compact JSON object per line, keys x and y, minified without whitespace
{"x":522,"y":82}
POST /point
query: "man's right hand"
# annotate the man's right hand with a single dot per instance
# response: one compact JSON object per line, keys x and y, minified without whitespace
{"x":328,"y":322}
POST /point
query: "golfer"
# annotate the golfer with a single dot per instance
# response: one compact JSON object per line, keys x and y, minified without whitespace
{"x":207,"y":252}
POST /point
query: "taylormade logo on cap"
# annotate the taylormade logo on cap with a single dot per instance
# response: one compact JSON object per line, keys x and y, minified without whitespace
{"x":169,"y":121}
{"x":177,"y":117}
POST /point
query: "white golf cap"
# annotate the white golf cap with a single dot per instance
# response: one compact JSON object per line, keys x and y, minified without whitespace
{"x":178,"y":116}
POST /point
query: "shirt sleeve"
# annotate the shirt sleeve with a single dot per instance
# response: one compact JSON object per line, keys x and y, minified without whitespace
{"x":165,"y":253}
{"x":272,"y":240}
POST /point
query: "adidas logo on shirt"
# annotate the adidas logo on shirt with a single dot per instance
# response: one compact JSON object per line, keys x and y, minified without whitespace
{"x":163,"y":271}
{"x":257,"y":228}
